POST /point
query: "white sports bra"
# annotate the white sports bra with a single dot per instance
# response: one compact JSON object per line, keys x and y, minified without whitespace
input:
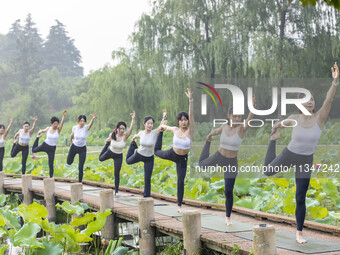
{"x":2,"y":142}
{"x":117,"y":147}
{"x":231,"y":143}
{"x":184,"y":144}
{"x":304,"y":140}
{"x":24,"y":139}
{"x":52,"y":139}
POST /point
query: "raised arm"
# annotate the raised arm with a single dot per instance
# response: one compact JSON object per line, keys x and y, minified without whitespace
{"x":250,"y":116}
{"x":128,"y":133}
{"x":288,"y":123}
{"x":43,"y":130}
{"x":60,"y":127}
{"x":8,"y":128}
{"x":322,"y":114}
{"x":188,"y":93}
{"x":34,"y":125}
{"x":93,"y":116}
{"x":163,"y":122}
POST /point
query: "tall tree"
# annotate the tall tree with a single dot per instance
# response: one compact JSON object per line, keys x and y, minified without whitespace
{"x":60,"y":52}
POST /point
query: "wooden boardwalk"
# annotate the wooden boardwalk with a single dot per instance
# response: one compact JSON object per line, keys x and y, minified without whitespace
{"x":215,"y":240}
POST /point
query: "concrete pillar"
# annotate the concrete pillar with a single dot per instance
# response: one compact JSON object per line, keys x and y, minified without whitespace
{"x":49,"y":188}
{"x":147,"y":244}
{"x":106,"y":201}
{"x":76,"y":192}
{"x":264,"y":240}
{"x":2,"y":182}
{"x":26,"y":182}
{"x":192,"y":232}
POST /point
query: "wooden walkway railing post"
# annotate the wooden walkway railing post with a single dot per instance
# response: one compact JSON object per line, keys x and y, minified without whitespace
{"x":106,"y":201}
{"x":49,"y":189}
{"x":76,"y":192}
{"x":192,"y":232}
{"x":146,"y":213}
{"x":26,"y":184}
{"x":2,"y":182}
{"x":264,"y":239}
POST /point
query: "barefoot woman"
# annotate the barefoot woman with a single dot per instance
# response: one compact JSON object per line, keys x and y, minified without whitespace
{"x":226,"y":156}
{"x":24,"y":135}
{"x":50,"y":144}
{"x":183,"y":135}
{"x":299,"y":152}
{"x":78,"y":139}
{"x":116,"y":141}
{"x":145,"y":151}
{"x":3,"y":135}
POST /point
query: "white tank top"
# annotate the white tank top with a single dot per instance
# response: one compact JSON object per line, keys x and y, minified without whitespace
{"x":117,"y":147}
{"x":231,"y":143}
{"x":147,"y":143}
{"x":80,"y":135}
{"x":24,"y":139}
{"x":179,"y":143}
{"x":2,"y":142}
{"x":304,"y":140}
{"x":52,"y":139}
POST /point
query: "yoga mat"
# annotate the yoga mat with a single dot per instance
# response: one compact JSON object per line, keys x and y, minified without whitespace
{"x":288,"y":241}
{"x":171,"y":210}
{"x":215,"y":222}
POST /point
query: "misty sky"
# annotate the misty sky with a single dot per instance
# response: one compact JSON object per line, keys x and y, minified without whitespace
{"x":98,"y":27}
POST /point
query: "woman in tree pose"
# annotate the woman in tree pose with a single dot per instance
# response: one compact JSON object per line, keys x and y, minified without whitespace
{"x":78,"y":139}
{"x":145,"y":151}
{"x":299,"y":152}
{"x":50,"y":144}
{"x":226,"y":156}
{"x":24,"y":135}
{"x":116,"y":141}
{"x":3,"y":135}
{"x":183,"y":135}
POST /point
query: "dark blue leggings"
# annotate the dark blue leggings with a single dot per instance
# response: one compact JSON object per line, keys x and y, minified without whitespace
{"x":181,"y":165}
{"x":50,"y":150}
{"x":302,"y":176}
{"x":2,"y":154}
{"x":16,"y":148}
{"x":117,"y":159}
{"x":133,"y":157}
{"x":74,"y":150}
{"x":218,"y":159}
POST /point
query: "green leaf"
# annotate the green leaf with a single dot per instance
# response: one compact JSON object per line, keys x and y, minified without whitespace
{"x":281,"y":182}
{"x":242,"y":186}
{"x":335,"y":215}
{"x":314,"y":183}
{"x":289,"y":205}
{"x":71,"y":209}
{"x":3,"y":249}
{"x":121,"y":251}
{"x":82,"y":238}
{"x":98,"y":224}
{"x":88,"y":217}
{"x":2,"y":199}
{"x":26,"y":236}
{"x":10,"y":220}
{"x":49,"y":249}
{"x":250,"y":202}
{"x":33,"y":212}
{"x":311,"y":202}
{"x":318,"y":212}
{"x":330,"y":188}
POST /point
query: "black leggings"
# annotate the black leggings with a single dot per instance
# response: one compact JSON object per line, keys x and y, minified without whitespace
{"x":302,"y":176}
{"x":2,"y":154}
{"x":50,"y":150}
{"x":16,"y":148}
{"x":229,"y":177}
{"x":118,"y":160}
{"x":74,"y":150}
{"x":181,"y":165}
{"x":132,"y":158}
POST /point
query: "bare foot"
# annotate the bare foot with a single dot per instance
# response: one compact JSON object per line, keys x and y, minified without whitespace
{"x":275,"y":135}
{"x":228,"y":222}
{"x":117,"y":195}
{"x":299,"y":237}
{"x":179,"y":209}
{"x":209,"y":138}
{"x":39,"y":135}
